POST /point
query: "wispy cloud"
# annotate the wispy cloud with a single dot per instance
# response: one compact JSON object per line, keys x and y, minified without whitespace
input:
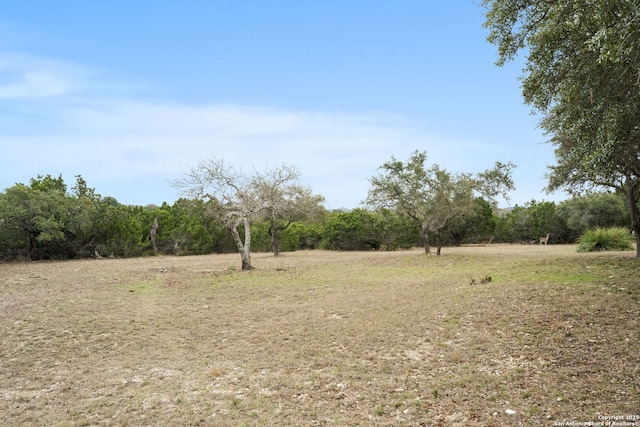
{"x":125,"y":140}
{"x":23,"y":76}
{"x":126,"y":146}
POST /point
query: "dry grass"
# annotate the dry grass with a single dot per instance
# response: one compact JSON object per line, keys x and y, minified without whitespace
{"x":322,"y":338}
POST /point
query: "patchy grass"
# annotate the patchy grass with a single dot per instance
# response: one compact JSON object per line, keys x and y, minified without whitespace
{"x":322,"y":338}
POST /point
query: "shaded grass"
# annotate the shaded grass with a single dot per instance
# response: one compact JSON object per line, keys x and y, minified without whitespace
{"x":322,"y":338}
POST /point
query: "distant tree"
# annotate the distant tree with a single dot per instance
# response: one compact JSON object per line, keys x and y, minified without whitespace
{"x":285,"y":201}
{"x":582,"y":74}
{"x":125,"y":230}
{"x":302,"y":235}
{"x":590,"y":211}
{"x":433,"y":197}
{"x":83,"y":205}
{"x":543,"y":220}
{"x":477,"y":225}
{"x":353,"y":231}
{"x":395,"y":230}
{"x":514,"y":225}
{"x":34,"y":218}
{"x":153,"y":232}
{"x":48,"y":183}
{"x":526,"y":224}
{"x":186,"y":227}
{"x":82,"y":190}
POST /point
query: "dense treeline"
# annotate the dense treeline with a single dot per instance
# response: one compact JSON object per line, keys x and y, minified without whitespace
{"x":45,"y":220}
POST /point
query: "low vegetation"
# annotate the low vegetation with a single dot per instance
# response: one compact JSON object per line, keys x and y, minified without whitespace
{"x":481,"y":336}
{"x":606,"y":239}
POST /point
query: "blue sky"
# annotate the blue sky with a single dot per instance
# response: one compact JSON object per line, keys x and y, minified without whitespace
{"x":131,"y":94}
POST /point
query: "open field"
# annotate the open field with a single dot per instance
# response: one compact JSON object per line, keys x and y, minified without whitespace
{"x":323,"y":338}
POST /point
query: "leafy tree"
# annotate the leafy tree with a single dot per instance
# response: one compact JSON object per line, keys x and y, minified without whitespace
{"x":82,"y":190}
{"x":187,"y":228}
{"x":102,"y":229}
{"x":544,"y":220}
{"x":595,"y":210}
{"x":582,"y":72}
{"x":477,"y":225}
{"x":83,"y":207}
{"x":526,"y":224}
{"x":302,"y":235}
{"x":34,"y":218}
{"x":50,"y":215}
{"x":514,"y":226}
{"x":17,"y":229}
{"x":433,"y":197}
{"x":48,"y":183}
{"x":44,"y":222}
{"x":352,"y":231}
{"x":396,"y":231}
{"x":125,"y":231}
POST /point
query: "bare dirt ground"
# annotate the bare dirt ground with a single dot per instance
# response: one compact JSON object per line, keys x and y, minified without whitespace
{"x":481,"y":336}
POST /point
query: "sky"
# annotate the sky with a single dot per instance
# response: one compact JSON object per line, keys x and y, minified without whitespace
{"x":132,"y":94}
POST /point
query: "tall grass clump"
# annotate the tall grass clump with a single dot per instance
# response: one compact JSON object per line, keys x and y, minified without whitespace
{"x":605,"y":239}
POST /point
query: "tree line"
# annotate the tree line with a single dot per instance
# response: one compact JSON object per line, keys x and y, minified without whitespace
{"x":46,"y":220}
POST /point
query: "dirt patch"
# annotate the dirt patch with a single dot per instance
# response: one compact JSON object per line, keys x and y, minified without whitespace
{"x":322,"y":338}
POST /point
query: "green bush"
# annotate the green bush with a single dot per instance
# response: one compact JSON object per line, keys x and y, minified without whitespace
{"x":605,"y":239}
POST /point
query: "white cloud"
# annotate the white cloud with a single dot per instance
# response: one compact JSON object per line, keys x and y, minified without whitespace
{"x":129,"y":148}
{"x":23,"y":76}
{"x":126,"y":140}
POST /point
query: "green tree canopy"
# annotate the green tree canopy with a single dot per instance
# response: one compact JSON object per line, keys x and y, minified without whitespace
{"x":433,"y":197}
{"x":591,"y":211}
{"x":582,"y":73}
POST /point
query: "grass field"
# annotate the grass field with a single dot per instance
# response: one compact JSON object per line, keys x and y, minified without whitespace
{"x":323,"y":338}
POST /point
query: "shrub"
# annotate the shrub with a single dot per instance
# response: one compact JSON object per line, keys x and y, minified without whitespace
{"x":605,"y":239}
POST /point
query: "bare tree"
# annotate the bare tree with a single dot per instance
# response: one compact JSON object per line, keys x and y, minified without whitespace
{"x":235,"y":202}
{"x":285,"y":201}
{"x":239,"y":199}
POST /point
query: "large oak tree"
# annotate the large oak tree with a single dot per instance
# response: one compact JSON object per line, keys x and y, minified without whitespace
{"x":433,"y":196}
{"x":582,"y":73}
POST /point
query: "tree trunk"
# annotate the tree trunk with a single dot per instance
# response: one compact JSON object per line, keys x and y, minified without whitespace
{"x":425,"y":238}
{"x":246,"y":253}
{"x":634,"y":212}
{"x":439,"y":240}
{"x":31,"y":247}
{"x":243,"y":248}
{"x":273,"y":232}
{"x":152,"y":234}
{"x":274,"y":246}
{"x":246,"y":260}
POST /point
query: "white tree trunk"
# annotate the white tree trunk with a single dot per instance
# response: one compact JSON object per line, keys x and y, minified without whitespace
{"x":243,"y":247}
